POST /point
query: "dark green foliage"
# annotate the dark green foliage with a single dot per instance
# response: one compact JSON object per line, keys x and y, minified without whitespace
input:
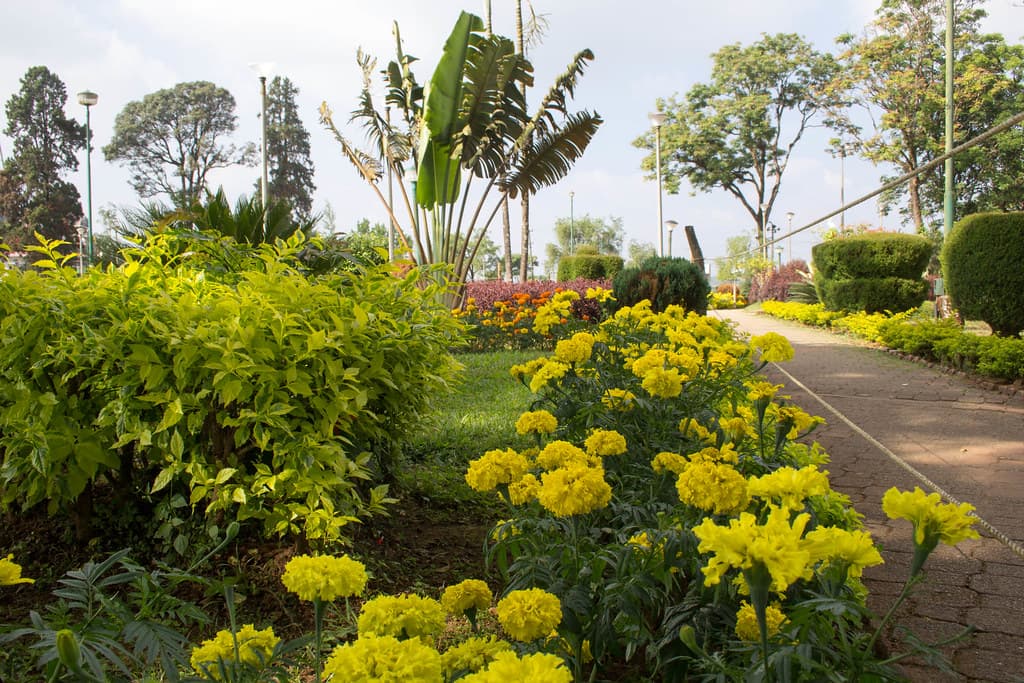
{"x":945,"y":342}
{"x":589,"y":267}
{"x":664,"y":281}
{"x":872,"y":272}
{"x":981,"y":264}
{"x":874,"y":254}
{"x":872,"y":295}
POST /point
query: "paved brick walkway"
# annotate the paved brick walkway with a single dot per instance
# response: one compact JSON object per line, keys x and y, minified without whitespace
{"x":966,"y":439}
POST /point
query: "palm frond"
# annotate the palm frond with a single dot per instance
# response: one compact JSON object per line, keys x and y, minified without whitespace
{"x":557,"y":97}
{"x":548,"y":158}
{"x":368,"y":167}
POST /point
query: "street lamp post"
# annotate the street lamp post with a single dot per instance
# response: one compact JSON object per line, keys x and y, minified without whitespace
{"x":789,"y":232}
{"x":671,"y":225}
{"x":80,"y":230}
{"x":764,"y":230}
{"x":263,"y":70}
{"x":572,"y":226}
{"x":778,"y":252}
{"x":88,"y":98}
{"x":843,"y":150}
{"x":657,"y":119}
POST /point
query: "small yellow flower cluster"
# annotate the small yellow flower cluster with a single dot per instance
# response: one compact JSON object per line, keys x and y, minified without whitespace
{"x":605,"y":442}
{"x":563,"y":454}
{"x":496,"y":467}
{"x":797,"y":419}
{"x":662,"y":383}
{"x":671,"y":462}
{"x":600,"y":294}
{"x":576,"y":349}
{"x":713,"y":487}
{"x":554,"y":312}
{"x":539,"y":667}
{"x":618,"y":399}
{"x":324,"y":577}
{"x":371,"y":659}
{"x":773,"y":346}
{"x":254,"y":649}
{"x":472,"y":655}
{"x":853,"y":550}
{"x":790,"y":486}
{"x":746,"y":622}
{"x":536,"y":422}
{"x":402,"y":616}
{"x":529,"y":614}
{"x":524,"y":490}
{"x":10,"y":572}
{"x":574,"y":490}
{"x":469,"y":594}
{"x":548,"y":371}
{"x":933,"y":520}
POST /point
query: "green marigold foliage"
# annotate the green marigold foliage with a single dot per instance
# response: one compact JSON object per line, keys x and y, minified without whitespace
{"x":257,"y":393}
{"x":663,"y":282}
{"x":589,"y":267}
{"x":981,"y":265}
{"x":872,"y":272}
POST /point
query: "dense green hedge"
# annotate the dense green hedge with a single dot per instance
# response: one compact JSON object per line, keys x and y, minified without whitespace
{"x":982,"y":266}
{"x":588,"y":267}
{"x":663,"y":281}
{"x":252,"y":394}
{"x":873,"y":295}
{"x":872,"y":272}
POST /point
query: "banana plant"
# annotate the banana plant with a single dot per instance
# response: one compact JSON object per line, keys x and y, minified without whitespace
{"x":477,"y":143}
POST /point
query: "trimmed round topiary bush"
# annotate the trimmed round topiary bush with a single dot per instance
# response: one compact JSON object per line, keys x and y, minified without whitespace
{"x":664,"y":281}
{"x":587,"y":264}
{"x":872,"y":272}
{"x":981,"y":266}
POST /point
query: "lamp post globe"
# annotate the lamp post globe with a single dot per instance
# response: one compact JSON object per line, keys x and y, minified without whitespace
{"x":671,"y":225}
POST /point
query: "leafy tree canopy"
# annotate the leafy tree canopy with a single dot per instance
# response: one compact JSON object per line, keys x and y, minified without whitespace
{"x":173,"y":138}
{"x":289,"y":165}
{"x":737,"y":131}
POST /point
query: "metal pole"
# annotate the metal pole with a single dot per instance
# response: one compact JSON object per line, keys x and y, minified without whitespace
{"x":263,"y":152}
{"x":391,"y":200}
{"x":789,"y":232}
{"x":947,"y":204}
{"x":842,"y":185}
{"x":572,"y":223}
{"x":670,"y":242}
{"x":88,"y":174}
{"x":657,"y":161}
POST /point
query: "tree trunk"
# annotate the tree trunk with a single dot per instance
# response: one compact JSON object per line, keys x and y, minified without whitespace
{"x":524,"y":262}
{"x":914,"y":195}
{"x":506,"y":235}
{"x":696,"y":255}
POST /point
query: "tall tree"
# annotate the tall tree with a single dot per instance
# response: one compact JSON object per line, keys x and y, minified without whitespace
{"x":603,"y":234}
{"x":737,"y":132}
{"x":897,"y":67}
{"x":290,"y":167}
{"x":45,"y":147}
{"x":173,"y":138}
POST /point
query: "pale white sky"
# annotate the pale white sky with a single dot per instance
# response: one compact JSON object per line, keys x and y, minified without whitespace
{"x":644,"y":49}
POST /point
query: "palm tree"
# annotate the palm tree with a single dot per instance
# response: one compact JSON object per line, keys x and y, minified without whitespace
{"x":473,"y":127}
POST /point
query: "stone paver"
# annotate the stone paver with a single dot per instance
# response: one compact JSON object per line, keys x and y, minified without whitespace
{"x":965,"y":438}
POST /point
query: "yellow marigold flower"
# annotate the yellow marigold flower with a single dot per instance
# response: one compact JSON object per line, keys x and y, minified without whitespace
{"x":693,"y":429}
{"x":663,"y":383}
{"x":375,"y":659}
{"x":401,"y":616}
{"x":503,"y":529}
{"x":776,"y":546}
{"x":933,"y":520}
{"x":720,"y":360}
{"x":759,"y":390}
{"x":601,"y":294}
{"x":496,"y":467}
{"x":324,"y":577}
{"x":735,"y":428}
{"x":574,"y":490}
{"x":655,"y":358}
{"x":536,"y":422}
{"x":746,"y":622}
{"x":254,"y":649}
{"x":551,"y":370}
{"x":540,"y":667}
{"x":726,"y":454}
{"x":618,"y":399}
{"x":529,"y":614}
{"x":792,"y":415}
{"x":603,"y":442}
{"x":853,"y":549}
{"x":472,"y":655}
{"x":773,"y":346}
{"x":527,"y":369}
{"x":10,"y":572}
{"x":681,"y":337}
{"x":471,"y":593}
{"x":713,"y":487}
{"x":673,"y":462}
{"x":523,"y":491}
{"x":790,"y":486}
{"x":576,"y":349}
{"x":561,"y":454}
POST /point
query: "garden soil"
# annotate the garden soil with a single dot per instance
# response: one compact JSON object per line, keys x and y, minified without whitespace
{"x":892,"y":421}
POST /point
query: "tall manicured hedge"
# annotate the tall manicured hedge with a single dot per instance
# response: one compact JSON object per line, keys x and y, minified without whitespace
{"x":983,"y":269}
{"x":589,"y":267}
{"x":253,"y":394}
{"x":872,"y":272}
{"x":663,"y":281}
